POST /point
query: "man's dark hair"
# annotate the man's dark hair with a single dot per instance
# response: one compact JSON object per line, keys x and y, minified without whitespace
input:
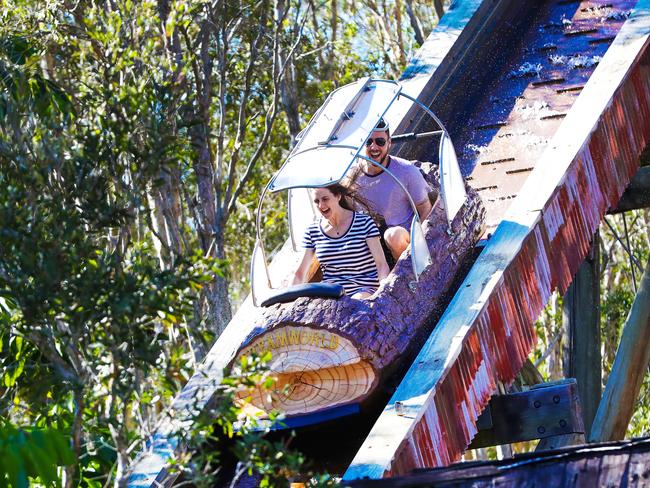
{"x":382,"y":126}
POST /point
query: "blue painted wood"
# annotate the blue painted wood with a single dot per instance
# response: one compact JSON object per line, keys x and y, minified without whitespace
{"x":311,"y":418}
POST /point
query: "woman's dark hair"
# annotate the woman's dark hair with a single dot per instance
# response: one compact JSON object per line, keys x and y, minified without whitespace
{"x":344,"y":192}
{"x":350,"y":198}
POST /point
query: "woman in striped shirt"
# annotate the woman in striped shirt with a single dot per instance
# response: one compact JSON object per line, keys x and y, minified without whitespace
{"x":345,"y":243}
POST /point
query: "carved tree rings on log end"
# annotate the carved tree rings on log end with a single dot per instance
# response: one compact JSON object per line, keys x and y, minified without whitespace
{"x":313,"y":369}
{"x":327,"y":352}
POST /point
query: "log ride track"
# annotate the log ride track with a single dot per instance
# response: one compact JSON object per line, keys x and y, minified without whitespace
{"x":548,"y":106}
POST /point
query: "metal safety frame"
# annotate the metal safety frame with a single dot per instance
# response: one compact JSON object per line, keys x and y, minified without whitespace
{"x":452,"y":187}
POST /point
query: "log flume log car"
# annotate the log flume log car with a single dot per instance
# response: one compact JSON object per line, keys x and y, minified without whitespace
{"x":331,"y":352}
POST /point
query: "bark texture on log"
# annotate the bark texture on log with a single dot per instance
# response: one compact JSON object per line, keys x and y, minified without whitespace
{"x":331,"y":352}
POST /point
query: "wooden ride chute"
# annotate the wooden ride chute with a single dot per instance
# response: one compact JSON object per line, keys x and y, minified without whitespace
{"x":553,"y":137}
{"x":329,"y":352}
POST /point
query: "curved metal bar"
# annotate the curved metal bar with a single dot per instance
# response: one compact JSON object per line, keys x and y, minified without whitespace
{"x":258,"y":217}
{"x":383,"y":80}
{"x":445,"y":133}
{"x":428,"y":111}
{"x":418,"y":264}
{"x":258,"y":232}
{"x":337,"y":146}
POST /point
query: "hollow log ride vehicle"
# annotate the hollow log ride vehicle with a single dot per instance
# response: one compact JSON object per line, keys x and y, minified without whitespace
{"x":330,"y":352}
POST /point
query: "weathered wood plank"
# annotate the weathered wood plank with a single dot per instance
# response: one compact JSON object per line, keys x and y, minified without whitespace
{"x":612,"y":469}
{"x":559,"y":441}
{"x":544,"y":411}
{"x":638,"y":472}
{"x":602,"y":465}
{"x":581,"y":323}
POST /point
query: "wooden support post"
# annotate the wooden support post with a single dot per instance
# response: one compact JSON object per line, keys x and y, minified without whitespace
{"x":581,"y":323}
{"x":630,"y":365}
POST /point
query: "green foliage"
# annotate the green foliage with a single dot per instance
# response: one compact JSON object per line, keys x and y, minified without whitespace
{"x":225,"y":432}
{"x":94,"y":332}
{"x":620,"y":276}
{"x":28,"y":455}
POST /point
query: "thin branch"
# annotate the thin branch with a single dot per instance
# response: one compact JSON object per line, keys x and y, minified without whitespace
{"x":222,"y":48}
{"x":415,"y":22}
{"x":270,"y":115}
{"x":241,"y":119}
{"x":627,"y":249}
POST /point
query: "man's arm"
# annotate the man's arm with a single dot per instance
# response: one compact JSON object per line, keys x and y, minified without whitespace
{"x":424,"y":208}
{"x":419,"y":190}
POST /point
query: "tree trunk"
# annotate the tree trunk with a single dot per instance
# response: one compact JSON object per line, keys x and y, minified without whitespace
{"x":164,"y":203}
{"x":415,"y":22}
{"x":331,"y":57}
{"x":290,"y":103}
{"x":333,"y":352}
{"x":400,"y":37}
{"x":217,"y":301}
{"x":440,"y":10}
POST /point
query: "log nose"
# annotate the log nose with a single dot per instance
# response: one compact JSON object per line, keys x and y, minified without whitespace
{"x":313,"y":369}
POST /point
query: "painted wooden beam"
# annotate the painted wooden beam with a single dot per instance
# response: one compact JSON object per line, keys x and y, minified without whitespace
{"x":548,"y":409}
{"x":630,"y":366}
{"x":487,"y":330}
{"x":581,"y":322}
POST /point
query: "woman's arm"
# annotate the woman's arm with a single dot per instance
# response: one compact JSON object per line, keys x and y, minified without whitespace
{"x":378,"y":254}
{"x":300,"y":276}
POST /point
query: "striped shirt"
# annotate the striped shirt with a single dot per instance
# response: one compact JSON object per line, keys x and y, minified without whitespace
{"x":345,"y":260}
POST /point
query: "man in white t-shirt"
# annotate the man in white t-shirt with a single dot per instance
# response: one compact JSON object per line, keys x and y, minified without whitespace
{"x":385,"y":196}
